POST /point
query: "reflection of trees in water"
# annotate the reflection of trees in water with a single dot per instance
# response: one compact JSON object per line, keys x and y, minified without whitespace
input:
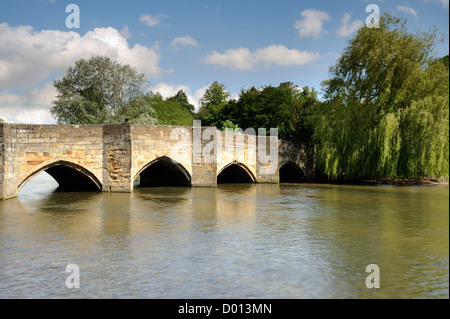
{"x":396,"y":228}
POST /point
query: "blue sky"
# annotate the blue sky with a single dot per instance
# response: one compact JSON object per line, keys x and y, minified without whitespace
{"x":185,"y":44}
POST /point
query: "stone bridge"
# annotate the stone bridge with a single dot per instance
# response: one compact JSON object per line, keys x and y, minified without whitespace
{"x":118,"y":157}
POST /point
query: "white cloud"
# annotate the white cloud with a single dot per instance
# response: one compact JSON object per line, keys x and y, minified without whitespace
{"x":184,"y":41}
{"x":152,"y":21}
{"x":240,"y":59}
{"x":246,"y":60}
{"x":311,"y":24}
{"x":125,"y":32}
{"x":32,"y":108}
{"x":408,"y":10}
{"x":198,"y":94}
{"x":167,"y":90}
{"x":28,"y":56}
{"x":347,"y":28}
{"x":37,"y":97}
{"x":25,"y":115}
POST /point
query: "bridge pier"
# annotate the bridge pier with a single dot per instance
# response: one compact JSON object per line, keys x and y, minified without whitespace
{"x":7,"y":180}
{"x":117,"y":155}
{"x":204,"y":174}
{"x":111,"y":157}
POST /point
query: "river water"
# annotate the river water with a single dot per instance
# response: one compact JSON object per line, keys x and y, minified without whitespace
{"x":236,"y":241}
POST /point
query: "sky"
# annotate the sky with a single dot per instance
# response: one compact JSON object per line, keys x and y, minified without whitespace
{"x":185,"y":44}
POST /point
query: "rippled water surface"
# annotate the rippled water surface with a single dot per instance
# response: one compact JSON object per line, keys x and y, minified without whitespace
{"x":236,"y":241}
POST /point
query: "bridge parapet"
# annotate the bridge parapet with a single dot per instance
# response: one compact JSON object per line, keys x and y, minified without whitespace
{"x":111,"y":157}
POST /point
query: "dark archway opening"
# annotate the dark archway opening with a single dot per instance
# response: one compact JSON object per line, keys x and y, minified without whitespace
{"x":70,"y":178}
{"x":164,"y":173}
{"x":235,"y":174}
{"x":291,"y":173}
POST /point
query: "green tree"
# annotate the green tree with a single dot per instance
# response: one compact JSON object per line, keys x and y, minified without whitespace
{"x":229,"y":125}
{"x":444,"y":60}
{"x":212,"y":103}
{"x":182,"y":99}
{"x":267,"y":108}
{"x":99,"y":90}
{"x":286,"y":107}
{"x":170,"y":111}
{"x":298,"y":126}
{"x":386,"y":109}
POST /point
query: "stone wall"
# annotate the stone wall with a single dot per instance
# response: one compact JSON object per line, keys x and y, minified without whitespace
{"x":204,"y":157}
{"x":29,"y":149}
{"x":116,"y":160}
{"x":237,"y":148}
{"x":150,"y":143}
{"x":113,"y":155}
{"x":302,"y":155}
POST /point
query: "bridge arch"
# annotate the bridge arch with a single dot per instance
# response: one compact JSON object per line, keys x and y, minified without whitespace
{"x":69,"y":176}
{"x":235,"y":172}
{"x":291,"y":173}
{"x":163,"y":172}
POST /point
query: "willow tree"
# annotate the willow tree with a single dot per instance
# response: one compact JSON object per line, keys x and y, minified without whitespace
{"x":386,"y":107}
{"x":99,"y":90}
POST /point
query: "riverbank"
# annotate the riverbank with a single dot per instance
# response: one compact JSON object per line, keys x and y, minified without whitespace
{"x":425,"y":181}
{"x":422,"y":181}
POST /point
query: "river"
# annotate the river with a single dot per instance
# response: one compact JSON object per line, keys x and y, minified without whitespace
{"x":237,"y":241}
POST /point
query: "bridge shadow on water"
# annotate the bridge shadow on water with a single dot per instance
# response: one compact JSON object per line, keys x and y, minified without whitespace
{"x":163,"y":195}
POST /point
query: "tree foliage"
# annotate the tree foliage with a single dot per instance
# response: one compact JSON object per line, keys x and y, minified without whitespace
{"x":384,"y":113}
{"x":182,"y":99}
{"x":171,"y":111}
{"x":444,"y":60}
{"x":387,"y":110}
{"x":286,"y":107}
{"x":212,"y":104}
{"x":99,"y":90}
